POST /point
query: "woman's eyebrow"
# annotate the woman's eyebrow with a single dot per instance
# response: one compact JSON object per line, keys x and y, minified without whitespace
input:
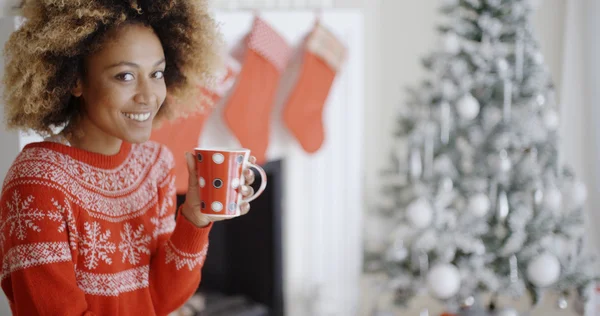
{"x":132,"y":64}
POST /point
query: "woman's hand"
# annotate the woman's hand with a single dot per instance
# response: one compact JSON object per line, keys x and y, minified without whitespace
{"x":191,"y":206}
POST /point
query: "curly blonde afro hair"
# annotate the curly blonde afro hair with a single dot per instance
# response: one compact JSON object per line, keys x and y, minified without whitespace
{"x":44,"y":57}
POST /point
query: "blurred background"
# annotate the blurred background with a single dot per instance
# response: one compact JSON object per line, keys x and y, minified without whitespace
{"x":301,"y":251}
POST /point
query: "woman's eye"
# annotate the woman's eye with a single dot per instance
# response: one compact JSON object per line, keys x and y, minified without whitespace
{"x":159,"y":74}
{"x":125,"y":77}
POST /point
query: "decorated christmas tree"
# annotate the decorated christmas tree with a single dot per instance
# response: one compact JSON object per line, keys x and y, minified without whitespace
{"x":477,"y":199}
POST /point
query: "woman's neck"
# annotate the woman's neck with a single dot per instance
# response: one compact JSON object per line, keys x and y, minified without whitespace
{"x":87,"y":136}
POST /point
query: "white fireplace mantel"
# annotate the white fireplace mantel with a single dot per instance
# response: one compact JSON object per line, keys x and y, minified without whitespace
{"x":323,"y":194}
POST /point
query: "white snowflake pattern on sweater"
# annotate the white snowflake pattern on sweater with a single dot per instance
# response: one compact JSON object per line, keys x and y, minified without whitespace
{"x":134,"y":243}
{"x":95,"y":245}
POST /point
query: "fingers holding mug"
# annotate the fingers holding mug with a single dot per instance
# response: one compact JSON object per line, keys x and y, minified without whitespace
{"x":249,"y":176}
{"x":244,"y":208}
{"x":247,"y":191}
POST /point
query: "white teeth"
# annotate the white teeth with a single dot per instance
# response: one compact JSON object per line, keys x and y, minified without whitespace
{"x":138,"y":117}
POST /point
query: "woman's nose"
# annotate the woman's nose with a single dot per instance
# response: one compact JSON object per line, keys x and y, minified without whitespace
{"x":145,"y":94}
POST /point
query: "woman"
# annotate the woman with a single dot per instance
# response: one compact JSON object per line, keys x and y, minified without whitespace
{"x":87,"y":223}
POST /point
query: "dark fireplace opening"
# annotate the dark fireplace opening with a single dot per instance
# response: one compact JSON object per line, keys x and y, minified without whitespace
{"x":242,"y":274}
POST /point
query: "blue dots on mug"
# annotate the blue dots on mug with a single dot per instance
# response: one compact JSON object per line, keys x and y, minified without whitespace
{"x":199,"y":157}
{"x":232,"y":206}
{"x":218,"y":183}
{"x":239,"y":159}
{"x":202,"y":205}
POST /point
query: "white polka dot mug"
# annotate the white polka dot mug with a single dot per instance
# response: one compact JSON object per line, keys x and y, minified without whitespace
{"x":220,"y":177}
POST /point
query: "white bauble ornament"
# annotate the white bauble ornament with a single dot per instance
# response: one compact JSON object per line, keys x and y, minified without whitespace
{"x":551,"y":120}
{"x":479,"y":205}
{"x":451,"y":43}
{"x":468,"y":107}
{"x":507,"y":312}
{"x":538,"y":58}
{"x":505,"y":164}
{"x":419,"y":213}
{"x":543,"y":270}
{"x":576,"y":194}
{"x":553,"y":199}
{"x":562,"y":302}
{"x":443,"y":281}
{"x":540,"y":100}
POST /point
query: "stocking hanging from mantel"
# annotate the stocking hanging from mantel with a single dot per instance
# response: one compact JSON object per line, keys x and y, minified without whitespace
{"x":248,"y":110}
{"x":183,"y":134}
{"x":315,"y":66}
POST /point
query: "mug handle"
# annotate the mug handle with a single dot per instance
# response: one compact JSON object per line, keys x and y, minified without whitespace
{"x":263,"y":182}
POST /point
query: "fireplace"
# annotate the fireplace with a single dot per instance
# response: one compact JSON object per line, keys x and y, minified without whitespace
{"x":242,"y":274}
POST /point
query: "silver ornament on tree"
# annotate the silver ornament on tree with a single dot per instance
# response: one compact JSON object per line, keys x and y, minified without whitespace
{"x":519,"y":55}
{"x":506,"y":109}
{"x":419,"y":213}
{"x":543,"y":270}
{"x":503,"y":207}
{"x":479,"y":205}
{"x":502,"y":211}
{"x":445,"y":122}
{"x":502,"y":66}
{"x":443,"y":281}
{"x":468,"y":302}
{"x":468,"y":107}
{"x":540,"y":100}
{"x":551,"y":119}
{"x":553,"y":200}
{"x":562,"y":302}
{"x":538,"y":197}
{"x":429,"y":143}
{"x":398,"y":252}
{"x":415,"y":164}
{"x":493,"y":192}
{"x":451,"y":43}
{"x":514,"y":269}
{"x":502,"y":162}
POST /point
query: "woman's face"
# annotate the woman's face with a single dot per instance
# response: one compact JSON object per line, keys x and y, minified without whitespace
{"x":123,"y":85}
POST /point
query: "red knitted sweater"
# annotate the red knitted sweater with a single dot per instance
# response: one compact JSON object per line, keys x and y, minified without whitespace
{"x":88,"y":234}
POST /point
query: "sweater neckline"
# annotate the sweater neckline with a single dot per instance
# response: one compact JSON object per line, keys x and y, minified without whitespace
{"x":94,"y":159}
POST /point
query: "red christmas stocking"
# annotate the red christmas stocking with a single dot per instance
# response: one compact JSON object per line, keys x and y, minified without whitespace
{"x":322,"y":58}
{"x":183,"y":134}
{"x":248,"y":110}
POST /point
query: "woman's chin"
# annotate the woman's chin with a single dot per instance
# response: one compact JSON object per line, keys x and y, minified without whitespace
{"x":138,"y":137}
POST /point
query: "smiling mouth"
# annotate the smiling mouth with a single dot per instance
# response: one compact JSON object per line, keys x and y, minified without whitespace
{"x":139,"y":117}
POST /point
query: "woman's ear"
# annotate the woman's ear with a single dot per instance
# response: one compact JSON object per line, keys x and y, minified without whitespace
{"x":77,"y":90}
